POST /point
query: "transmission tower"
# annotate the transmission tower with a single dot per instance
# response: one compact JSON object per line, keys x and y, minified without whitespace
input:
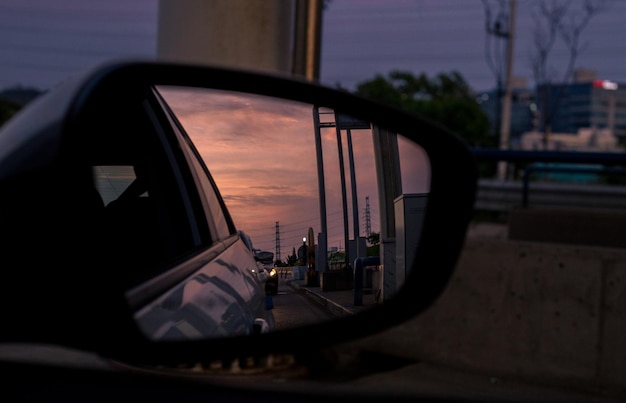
{"x":368,"y":218}
{"x":277,"y":255}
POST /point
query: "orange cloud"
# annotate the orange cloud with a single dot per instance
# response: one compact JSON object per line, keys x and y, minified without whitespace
{"x":261,"y":154}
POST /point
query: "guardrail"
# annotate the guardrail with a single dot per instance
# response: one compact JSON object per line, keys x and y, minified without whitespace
{"x":500,"y":196}
{"x":574,"y":157}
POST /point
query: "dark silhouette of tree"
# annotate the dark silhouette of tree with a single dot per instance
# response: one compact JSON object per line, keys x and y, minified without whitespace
{"x":445,"y":99}
{"x":293,"y":258}
{"x":7,"y":110}
{"x":373,"y":238}
{"x":13,"y":99}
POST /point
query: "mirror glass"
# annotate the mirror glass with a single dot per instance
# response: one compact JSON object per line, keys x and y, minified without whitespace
{"x":301,"y":182}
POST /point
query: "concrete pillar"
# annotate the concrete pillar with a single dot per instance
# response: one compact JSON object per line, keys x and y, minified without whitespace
{"x":246,"y":34}
{"x":389,"y":187}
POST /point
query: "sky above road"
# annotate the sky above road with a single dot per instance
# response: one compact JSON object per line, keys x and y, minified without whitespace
{"x":261,"y":155}
{"x":42,"y":42}
{"x":366,"y":37}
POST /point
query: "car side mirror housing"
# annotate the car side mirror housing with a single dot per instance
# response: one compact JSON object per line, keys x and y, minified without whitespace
{"x":137,"y":178}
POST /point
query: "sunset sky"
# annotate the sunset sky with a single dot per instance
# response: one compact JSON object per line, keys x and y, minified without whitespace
{"x":43,"y":42}
{"x":261,"y":153}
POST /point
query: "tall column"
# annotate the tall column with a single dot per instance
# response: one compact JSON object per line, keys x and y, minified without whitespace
{"x":387,"y":160}
{"x":235,"y":33}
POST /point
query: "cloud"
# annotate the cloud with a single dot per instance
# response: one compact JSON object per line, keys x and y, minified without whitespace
{"x":261,"y":154}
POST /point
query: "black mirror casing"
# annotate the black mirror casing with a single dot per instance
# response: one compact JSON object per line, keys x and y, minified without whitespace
{"x":112,"y":332}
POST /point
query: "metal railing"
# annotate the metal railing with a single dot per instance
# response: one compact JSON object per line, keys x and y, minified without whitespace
{"x":502,"y":195}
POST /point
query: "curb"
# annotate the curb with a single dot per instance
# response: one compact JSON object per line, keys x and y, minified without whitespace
{"x":334,"y":307}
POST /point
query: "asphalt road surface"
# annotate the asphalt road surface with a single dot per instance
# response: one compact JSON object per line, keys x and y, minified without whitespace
{"x":293,"y":308}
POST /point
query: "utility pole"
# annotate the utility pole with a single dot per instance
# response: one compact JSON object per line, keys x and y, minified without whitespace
{"x":505,"y":127}
{"x":501,"y":29}
{"x":355,"y":203}
{"x":323,"y":235}
{"x":344,"y":199}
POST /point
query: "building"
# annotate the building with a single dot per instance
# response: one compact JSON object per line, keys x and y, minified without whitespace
{"x":522,"y":108}
{"x":586,"y":103}
{"x":586,"y":114}
{"x":588,"y":139}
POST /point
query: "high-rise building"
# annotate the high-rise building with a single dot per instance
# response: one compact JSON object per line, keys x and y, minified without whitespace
{"x":586,"y":113}
{"x":590,"y":104}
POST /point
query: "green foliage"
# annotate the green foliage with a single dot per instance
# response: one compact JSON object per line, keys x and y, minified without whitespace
{"x":446,"y":99}
{"x":374,"y":238}
{"x":7,"y":110}
{"x":337,"y":257}
{"x":373,"y":250}
{"x":293,"y":258}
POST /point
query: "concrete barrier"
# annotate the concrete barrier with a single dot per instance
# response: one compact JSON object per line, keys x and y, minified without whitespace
{"x":590,"y":227}
{"x":494,"y":195}
{"x":554,"y":313}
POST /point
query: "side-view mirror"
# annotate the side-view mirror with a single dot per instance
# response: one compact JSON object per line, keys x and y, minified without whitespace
{"x":157,"y":190}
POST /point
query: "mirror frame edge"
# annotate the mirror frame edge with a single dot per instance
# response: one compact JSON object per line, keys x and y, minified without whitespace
{"x":450,"y":201}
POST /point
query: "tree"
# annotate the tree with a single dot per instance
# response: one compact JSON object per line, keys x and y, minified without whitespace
{"x":7,"y":110}
{"x":554,"y":20}
{"x":13,"y":99}
{"x":373,"y":238}
{"x":446,"y":99}
{"x":337,"y":260}
{"x":293,"y":258}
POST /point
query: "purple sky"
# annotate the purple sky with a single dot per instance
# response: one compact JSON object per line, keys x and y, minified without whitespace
{"x":42,"y":42}
{"x":261,"y":155}
{"x":366,"y":37}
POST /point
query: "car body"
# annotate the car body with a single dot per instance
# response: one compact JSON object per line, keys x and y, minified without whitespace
{"x":150,"y":211}
{"x":265,"y":273}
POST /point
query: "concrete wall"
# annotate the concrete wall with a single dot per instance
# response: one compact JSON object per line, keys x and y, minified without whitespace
{"x":568,"y":226}
{"x":551,"y":312}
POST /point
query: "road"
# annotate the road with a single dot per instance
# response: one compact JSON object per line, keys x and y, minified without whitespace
{"x":293,"y":308}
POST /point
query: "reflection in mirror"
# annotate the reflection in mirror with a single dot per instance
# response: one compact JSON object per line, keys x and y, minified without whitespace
{"x":302,"y":183}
